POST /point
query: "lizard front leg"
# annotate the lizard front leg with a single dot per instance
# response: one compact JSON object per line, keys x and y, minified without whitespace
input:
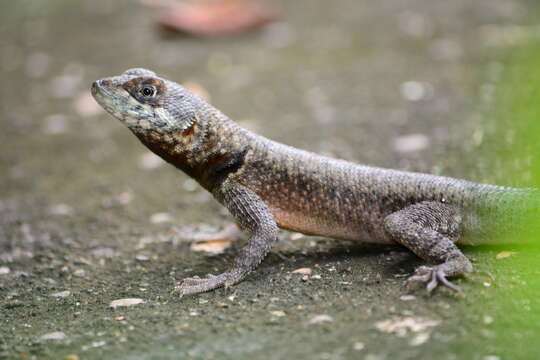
{"x":429,"y":229}
{"x":254,"y":216}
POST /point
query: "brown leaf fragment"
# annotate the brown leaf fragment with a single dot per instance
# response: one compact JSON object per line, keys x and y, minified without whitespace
{"x":302,"y":271}
{"x":217,"y":17}
{"x":214,"y":247}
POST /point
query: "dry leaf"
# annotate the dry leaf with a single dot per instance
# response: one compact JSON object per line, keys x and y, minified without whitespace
{"x":125,"y":302}
{"x":320,"y":319}
{"x":219,"y":17}
{"x":303,"y":271}
{"x":402,"y":325}
{"x":214,"y":247}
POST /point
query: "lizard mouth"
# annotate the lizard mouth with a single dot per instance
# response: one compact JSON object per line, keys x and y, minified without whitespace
{"x":104,"y":97}
{"x":98,"y":90}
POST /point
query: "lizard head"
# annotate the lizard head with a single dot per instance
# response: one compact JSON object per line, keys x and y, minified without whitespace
{"x":152,"y":107}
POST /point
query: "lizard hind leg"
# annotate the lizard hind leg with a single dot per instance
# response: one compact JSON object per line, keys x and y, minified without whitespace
{"x":429,"y":230}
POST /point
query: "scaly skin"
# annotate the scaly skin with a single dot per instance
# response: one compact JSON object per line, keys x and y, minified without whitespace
{"x":266,"y":185}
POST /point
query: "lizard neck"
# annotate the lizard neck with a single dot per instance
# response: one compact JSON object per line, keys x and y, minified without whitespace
{"x":208,"y":150}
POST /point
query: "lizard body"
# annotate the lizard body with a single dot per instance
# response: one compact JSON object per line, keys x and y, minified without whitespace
{"x":267,"y":185}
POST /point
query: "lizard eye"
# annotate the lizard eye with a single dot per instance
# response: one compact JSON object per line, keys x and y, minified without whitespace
{"x":148,"y":91}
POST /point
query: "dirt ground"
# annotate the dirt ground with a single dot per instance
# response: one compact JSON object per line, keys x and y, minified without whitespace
{"x":87,"y":215}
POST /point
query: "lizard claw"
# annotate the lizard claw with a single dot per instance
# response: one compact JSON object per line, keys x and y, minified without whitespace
{"x":198,"y":285}
{"x":433,"y":276}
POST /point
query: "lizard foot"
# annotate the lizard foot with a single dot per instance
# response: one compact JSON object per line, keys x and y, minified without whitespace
{"x":433,"y":276}
{"x":198,"y":285}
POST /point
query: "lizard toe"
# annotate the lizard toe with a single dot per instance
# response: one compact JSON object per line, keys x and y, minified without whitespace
{"x":434,"y":277}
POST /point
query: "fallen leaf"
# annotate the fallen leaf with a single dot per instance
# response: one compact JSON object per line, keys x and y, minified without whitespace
{"x":317,"y":319}
{"x":125,"y":302}
{"x":278,"y":313}
{"x":218,"y":17}
{"x":303,"y":271}
{"x":213,"y":247}
{"x":402,"y":325}
{"x":61,"y":294}
{"x":505,"y":254}
{"x":57,"y":335}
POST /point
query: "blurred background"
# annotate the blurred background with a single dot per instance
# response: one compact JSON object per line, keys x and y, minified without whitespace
{"x":444,"y":87}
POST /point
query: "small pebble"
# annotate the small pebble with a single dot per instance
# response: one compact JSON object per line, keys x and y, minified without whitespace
{"x":414,"y":90}
{"x":278,"y":313}
{"x":125,"y":302}
{"x":359,"y":346}
{"x":125,"y":198}
{"x":162,"y":217}
{"x":4,"y":270}
{"x":411,"y":143}
{"x":79,"y":273}
{"x":407,"y":298}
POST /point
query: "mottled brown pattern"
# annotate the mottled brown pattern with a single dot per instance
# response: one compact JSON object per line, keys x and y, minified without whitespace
{"x":265,"y":184}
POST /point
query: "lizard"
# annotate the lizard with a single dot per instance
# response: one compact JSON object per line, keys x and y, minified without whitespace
{"x":266,"y":185}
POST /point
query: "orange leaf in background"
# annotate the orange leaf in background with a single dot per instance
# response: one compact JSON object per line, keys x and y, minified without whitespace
{"x":214,"y":247}
{"x":219,"y":17}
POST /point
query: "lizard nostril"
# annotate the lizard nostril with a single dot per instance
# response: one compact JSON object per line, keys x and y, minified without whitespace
{"x":100,"y":85}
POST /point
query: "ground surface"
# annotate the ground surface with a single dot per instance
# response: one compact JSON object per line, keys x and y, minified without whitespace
{"x":84,"y":209}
